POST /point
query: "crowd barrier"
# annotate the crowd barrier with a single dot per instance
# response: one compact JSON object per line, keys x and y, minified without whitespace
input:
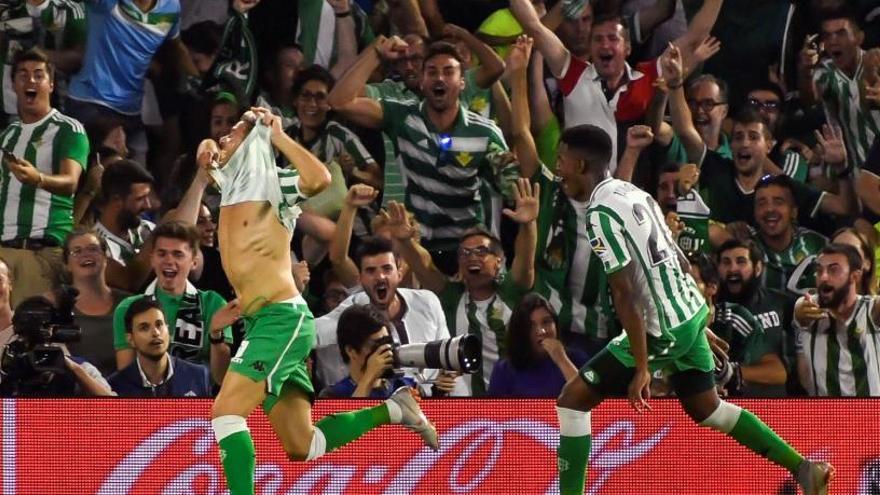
{"x":487,"y":447}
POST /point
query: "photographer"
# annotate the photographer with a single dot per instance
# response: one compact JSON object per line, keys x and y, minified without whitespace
{"x":154,"y":372}
{"x":364,"y":345}
{"x":416,"y":316}
{"x":36,"y":362}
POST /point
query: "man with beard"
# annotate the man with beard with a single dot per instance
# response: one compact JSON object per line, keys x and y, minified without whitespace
{"x":258,"y":211}
{"x":740,"y":269}
{"x":125,"y":188}
{"x":838,"y":340}
{"x":606,"y":90}
{"x":784,"y":244}
{"x":446,"y":151}
{"x":201,"y":318}
{"x":416,"y":315}
{"x":737,"y":339}
{"x":728,"y":186}
{"x":483,"y":298}
{"x":43,"y":156}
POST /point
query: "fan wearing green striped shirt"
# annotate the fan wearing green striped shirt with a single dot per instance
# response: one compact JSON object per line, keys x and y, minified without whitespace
{"x":783,"y":243}
{"x":43,"y":156}
{"x":838,"y":343}
{"x":447,"y":152}
{"x":482,"y":297}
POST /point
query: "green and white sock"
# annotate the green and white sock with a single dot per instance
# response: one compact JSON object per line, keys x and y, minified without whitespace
{"x":751,"y":432}
{"x":335,"y":430}
{"x":574,"y":450}
{"x":236,"y":453}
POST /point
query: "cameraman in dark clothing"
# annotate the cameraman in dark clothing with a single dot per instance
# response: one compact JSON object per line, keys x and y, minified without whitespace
{"x":365,"y":345}
{"x":36,"y":361}
{"x":154,"y":372}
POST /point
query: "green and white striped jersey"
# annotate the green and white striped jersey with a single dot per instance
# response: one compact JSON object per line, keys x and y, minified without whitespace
{"x":29,"y":212}
{"x":444,"y":171}
{"x":567,"y":272}
{"x":53,"y":25}
{"x":123,"y":249}
{"x":780,"y":265}
{"x":841,"y":97}
{"x":625,"y":224}
{"x":842,"y":358}
{"x":334,"y":140}
{"x":487,"y":319}
{"x":316,"y":31}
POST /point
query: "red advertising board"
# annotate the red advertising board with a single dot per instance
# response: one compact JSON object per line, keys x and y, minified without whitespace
{"x":504,"y":447}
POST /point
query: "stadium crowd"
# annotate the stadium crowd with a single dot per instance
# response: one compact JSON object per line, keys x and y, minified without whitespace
{"x":450,"y":129}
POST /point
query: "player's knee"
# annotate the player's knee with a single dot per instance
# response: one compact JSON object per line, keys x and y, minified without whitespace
{"x":296,"y":451}
{"x":575,"y":395}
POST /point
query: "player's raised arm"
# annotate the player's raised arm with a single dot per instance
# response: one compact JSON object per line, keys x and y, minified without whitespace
{"x":313,"y":175}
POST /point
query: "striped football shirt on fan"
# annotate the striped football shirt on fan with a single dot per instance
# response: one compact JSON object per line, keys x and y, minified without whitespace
{"x":843,"y":359}
{"x":444,"y":171}
{"x":841,"y":97}
{"x":33,"y":213}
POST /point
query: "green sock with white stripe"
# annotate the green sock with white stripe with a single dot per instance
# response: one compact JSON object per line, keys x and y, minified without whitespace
{"x":574,"y":450}
{"x":340,"y":429}
{"x":751,"y":432}
{"x":237,"y":453}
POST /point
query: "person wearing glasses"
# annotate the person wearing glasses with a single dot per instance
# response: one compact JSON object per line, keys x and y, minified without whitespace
{"x":769,"y":102}
{"x":482,"y":297}
{"x":708,"y":103}
{"x":728,"y":185}
{"x":323,"y":136}
{"x":85,"y":256}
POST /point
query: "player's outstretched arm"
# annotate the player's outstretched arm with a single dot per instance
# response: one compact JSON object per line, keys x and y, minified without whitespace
{"x":622,"y":291}
{"x":313,"y":175}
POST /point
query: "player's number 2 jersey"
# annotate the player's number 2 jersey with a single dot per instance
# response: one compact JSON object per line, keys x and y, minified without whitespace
{"x":625,"y":223}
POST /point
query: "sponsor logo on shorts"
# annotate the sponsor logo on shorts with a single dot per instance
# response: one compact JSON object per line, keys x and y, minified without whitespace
{"x":591,"y":376}
{"x":259,"y":366}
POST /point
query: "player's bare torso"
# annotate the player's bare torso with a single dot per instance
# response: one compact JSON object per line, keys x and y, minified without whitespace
{"x":254,"y":247}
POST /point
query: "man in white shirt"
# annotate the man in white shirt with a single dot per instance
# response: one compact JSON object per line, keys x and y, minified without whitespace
{"x":416,"y":315}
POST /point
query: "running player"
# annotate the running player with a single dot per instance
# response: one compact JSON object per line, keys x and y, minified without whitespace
{"x":664,"y":316}
{"x":258,"y":212}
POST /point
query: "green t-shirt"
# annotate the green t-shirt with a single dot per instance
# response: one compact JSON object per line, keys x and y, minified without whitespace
{"x":189,"y":341}
{"x":488,"y":319}
{"x":742,"y":330}
{"x":773,"y":309}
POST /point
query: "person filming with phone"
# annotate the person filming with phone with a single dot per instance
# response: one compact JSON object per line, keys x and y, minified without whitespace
{"x":43,"y":155}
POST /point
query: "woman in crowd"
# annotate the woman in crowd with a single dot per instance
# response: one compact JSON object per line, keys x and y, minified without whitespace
{"x":537,"y":364}
{"x":85,"y":257}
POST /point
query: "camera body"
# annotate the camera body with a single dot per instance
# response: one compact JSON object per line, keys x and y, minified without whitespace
{"x":463,"y":354}
{"x":32,"y":363}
